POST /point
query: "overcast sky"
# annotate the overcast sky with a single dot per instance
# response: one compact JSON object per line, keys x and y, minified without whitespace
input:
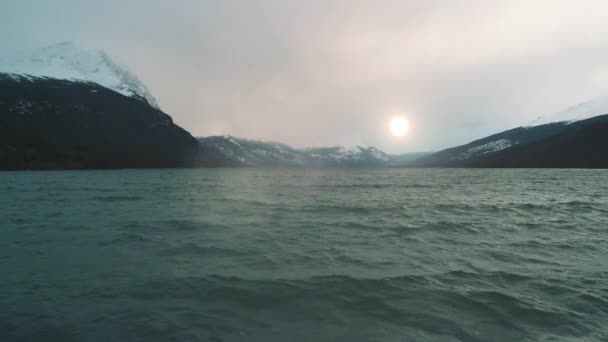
{"x":329,"y":72}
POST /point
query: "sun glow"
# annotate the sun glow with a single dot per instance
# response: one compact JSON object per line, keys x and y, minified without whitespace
{"x":399,"y":126}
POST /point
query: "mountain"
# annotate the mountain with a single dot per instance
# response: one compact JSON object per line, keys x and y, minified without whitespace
{"x":68,"y":123}
{"x":234,"y":152}
{"x":563,"y":144}
{"x":402,"y":159}
{"x":584,"y":144}
{"x":461,"y":155}
{"x":66,"y":61}
{"x":338,"y":156}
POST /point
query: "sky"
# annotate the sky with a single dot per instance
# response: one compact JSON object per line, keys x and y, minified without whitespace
{"x":334,"y":72}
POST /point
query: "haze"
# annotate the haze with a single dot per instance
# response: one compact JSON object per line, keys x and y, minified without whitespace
{"x":314,"y":73}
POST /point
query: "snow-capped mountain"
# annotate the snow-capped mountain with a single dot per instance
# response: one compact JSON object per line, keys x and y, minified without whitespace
{"x":66,"y":61}
{"x":351,"y":156}
{"x":62,"y":107}
{"x":49,"y":123}
{"x":231,"y":151}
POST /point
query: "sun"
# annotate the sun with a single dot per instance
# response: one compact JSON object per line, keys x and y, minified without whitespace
{"x":399,"y":126}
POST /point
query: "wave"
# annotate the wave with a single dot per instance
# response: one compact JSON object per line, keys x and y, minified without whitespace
{"x":117,"y":198}
{"x":421,"y":302}
{"x":364,"y":256}
{"x":198,"y":250}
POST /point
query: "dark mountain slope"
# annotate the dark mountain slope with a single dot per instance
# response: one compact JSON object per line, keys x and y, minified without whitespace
{"x":60,"y":124}
{"x":583,"y":146}
{"x":556,"y":145}
{"x":460,"y":155}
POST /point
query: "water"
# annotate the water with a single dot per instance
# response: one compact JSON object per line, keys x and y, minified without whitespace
{"x":296,"y":255}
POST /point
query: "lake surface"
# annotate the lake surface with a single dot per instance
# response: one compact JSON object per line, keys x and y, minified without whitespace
{"x":304,"y":255}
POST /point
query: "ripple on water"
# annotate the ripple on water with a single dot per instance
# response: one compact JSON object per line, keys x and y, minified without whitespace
{"x":301,"y":255}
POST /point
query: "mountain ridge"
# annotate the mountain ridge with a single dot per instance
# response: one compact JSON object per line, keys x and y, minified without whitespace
{"x":234,"y":151}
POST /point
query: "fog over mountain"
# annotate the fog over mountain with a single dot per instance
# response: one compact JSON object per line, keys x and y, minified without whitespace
{"x":326,"y":73}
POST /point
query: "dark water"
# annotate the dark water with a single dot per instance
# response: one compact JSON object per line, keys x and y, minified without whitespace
{"x":294,"y":255}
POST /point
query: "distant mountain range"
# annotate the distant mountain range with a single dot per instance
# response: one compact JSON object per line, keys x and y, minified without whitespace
{"x":62,"y":107}
{"x":232,"y":151}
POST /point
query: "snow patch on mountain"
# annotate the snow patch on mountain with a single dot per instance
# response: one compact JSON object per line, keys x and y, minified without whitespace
{"x":491,"y":147}
{"x":347,"y":152}
{"x":69,"y":62}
